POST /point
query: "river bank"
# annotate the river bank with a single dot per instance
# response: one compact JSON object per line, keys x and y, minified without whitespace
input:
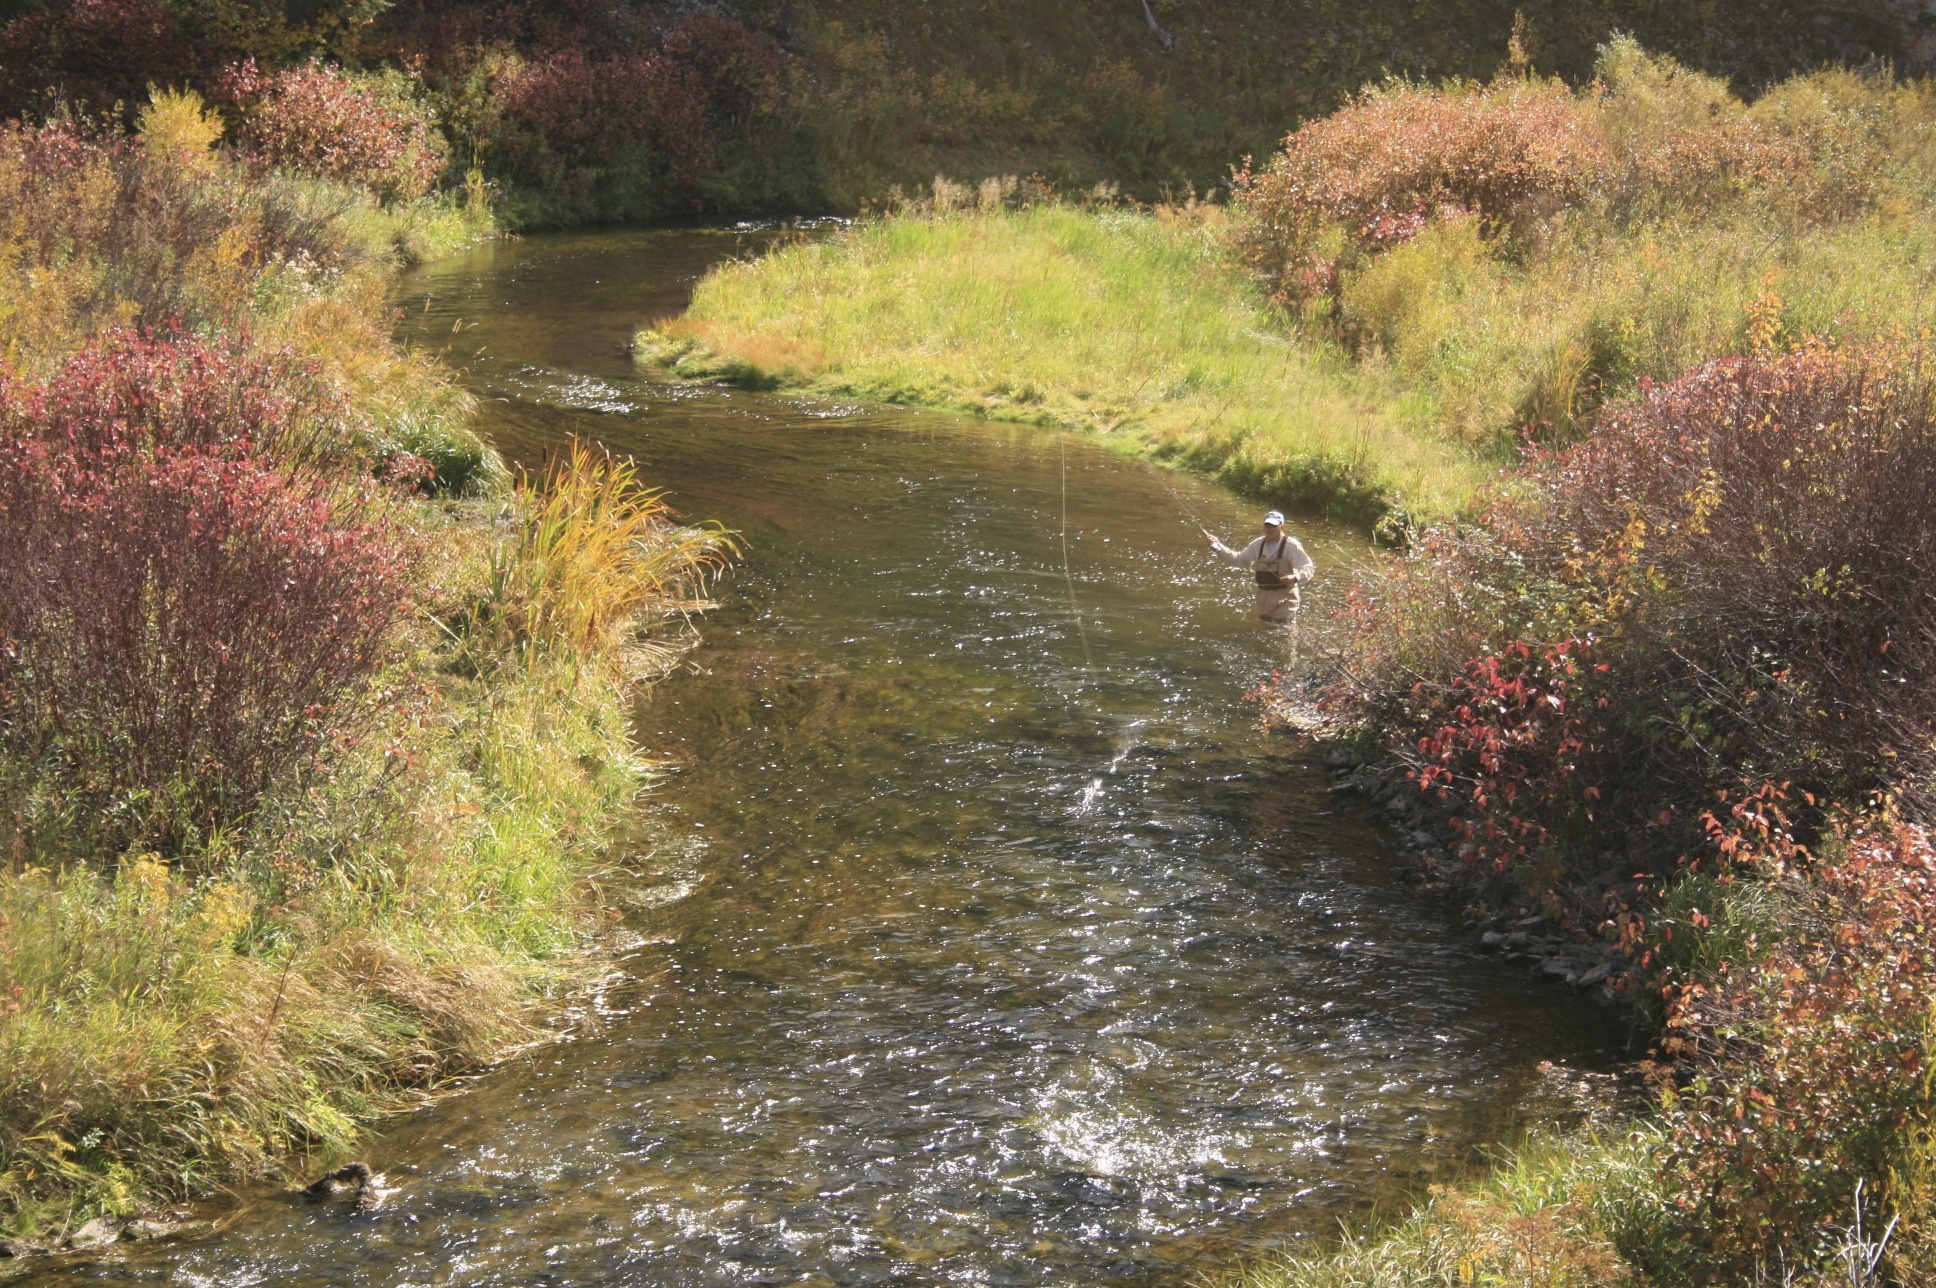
{"x":317,"y":722}
{"x":1599,"y":723}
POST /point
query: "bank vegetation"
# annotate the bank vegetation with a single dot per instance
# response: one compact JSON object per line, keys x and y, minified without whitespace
{"x":1667,"y":682}
{"x":313,"y":721}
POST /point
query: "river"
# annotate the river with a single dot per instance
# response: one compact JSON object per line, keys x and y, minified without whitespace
{"x":979,"y":936}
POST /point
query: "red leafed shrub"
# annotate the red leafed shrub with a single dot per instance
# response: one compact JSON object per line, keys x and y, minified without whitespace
{"x":744,"y":71}
{"x":1747,"y":558}
{"x":568,"y":119}
{"x":1814,"y":1068}
{"x":179,"y":612}
{"x":1771,"y":519}
{"x":326,"y":122}
{"x":128,"y":393}
{"x":1513,"y":752}
{"x":1512,"y":154}
{"x":594,"y":113}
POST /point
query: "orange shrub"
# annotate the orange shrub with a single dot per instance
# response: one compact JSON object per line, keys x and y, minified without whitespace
{"x":1812,"y":1068}
{"x":1513,"y":153}
{"x":1717,"y":164}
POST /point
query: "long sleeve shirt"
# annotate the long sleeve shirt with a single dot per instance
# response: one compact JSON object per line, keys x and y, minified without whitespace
{"x":1287,"y":553}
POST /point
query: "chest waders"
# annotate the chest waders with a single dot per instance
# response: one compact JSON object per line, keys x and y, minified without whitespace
{"x":1271,"y":570}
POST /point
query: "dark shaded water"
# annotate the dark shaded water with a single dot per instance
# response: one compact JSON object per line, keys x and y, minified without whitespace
{"x":989,"y":942}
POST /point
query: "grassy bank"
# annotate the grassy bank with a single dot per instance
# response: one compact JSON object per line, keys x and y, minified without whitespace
{"x":1136,"y":326}
{"x":1560,"y":1212}
{"x":313,"y":725}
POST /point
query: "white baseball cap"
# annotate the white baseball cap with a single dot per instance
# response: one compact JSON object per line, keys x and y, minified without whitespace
{"x":1274,"y":519}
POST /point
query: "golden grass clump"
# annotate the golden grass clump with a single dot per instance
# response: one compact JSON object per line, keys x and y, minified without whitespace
{"x":592,"y":556}
{"x":1550,"y":1215}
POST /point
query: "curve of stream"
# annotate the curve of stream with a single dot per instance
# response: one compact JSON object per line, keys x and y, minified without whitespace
{"x":985,"y":939}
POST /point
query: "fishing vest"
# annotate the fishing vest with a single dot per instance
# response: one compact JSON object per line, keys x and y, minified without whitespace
{"x":1272,"y":570}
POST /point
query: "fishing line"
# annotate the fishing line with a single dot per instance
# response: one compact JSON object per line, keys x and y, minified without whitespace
{"x":1190,"y":516}
{"x":1068,"y":579}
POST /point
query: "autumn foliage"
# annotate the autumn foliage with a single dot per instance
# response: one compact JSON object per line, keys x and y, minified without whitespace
{"x":1645,"y":141}
{"x":606,"y":131}
{"x":325,"y":122}
{"x":93,"y":53}
{"x":1727,"y":584}
{"x":1677,"y":684}
{"x":183,"y":611}
{"x":1512,"y":153}
{"x":107,"y":233}
{"x":1811,"y":1068}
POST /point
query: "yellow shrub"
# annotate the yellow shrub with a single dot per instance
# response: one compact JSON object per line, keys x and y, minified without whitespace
{"x":174,"y":126}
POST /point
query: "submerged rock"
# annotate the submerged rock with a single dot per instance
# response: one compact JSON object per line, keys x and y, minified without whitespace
{"x":101,"y":1230}
{"x":356,"y":1178}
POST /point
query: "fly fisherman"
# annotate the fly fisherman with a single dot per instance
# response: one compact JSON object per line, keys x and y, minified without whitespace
{"x":1280,"y":563}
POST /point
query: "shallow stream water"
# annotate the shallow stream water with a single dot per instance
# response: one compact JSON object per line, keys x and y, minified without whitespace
{"x":984,"y":938}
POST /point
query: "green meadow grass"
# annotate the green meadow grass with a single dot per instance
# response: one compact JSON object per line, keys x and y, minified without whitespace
{"x":1123,"y":323}
{"x":1478,"y":346}
{"x":1136,"y":326}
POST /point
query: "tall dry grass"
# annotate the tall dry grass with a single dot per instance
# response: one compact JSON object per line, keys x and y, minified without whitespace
{"x":594,"y":557}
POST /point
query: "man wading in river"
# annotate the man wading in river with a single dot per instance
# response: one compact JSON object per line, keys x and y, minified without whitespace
{"x":1280,"y":563}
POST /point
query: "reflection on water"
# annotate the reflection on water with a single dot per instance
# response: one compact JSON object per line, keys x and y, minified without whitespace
{"x":988,"y":943}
